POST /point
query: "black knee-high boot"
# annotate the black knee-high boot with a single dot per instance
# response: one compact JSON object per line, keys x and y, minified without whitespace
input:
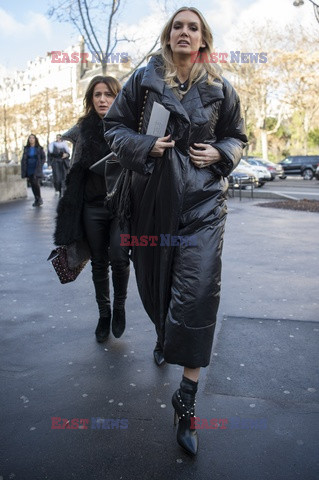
{"x":183,"y":401}
{"x":102,"y":292}
{"x":120,"y":280}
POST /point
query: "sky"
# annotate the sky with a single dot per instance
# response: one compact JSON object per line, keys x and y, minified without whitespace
{"x":26,"y":32}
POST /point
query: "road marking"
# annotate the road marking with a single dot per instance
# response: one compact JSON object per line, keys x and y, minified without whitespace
{"x":291,"y":193}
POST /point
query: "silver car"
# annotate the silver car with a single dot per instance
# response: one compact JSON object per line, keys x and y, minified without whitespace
{"x":275,"y":169}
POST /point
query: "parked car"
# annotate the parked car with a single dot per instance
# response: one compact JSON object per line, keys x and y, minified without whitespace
{"x":260,"y":172}
{"x":47,"y":179}
{"x":275,"y":169}
{"x":242,"y":177}
{"x":240,"y":180}
{"x":304,"y":165}
{"x":317,"y":172}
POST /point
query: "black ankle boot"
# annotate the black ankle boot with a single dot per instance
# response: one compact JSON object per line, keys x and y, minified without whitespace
{"x":118,"y":322}
{"x":158,"y":354}
{"x":183,"y":401}
{"x":103,"y":328}
{"x":102,"y":294}
{"x":120,"y":280}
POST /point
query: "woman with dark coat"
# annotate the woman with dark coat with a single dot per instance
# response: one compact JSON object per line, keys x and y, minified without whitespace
{"x":58,"y":159}
{"x":178,"y":188}
{"x":32,"y":162}
{"x":81,"y":213}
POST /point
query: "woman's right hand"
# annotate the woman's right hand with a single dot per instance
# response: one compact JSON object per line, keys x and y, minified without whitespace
{"x":161,"y":145}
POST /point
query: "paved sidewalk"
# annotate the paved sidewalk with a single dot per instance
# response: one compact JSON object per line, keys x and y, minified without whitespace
{"x":262,"y":381}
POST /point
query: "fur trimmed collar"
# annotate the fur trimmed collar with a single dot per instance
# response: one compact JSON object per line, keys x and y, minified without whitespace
{"x":94,"y":147}
{"x":91,"y":128}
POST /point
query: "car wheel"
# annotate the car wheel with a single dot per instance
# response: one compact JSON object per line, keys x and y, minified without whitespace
{"x":282,"y":177}
{"x":307,"y":174}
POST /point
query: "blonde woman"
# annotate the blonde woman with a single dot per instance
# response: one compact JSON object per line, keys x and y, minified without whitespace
{"x":178,"y":188}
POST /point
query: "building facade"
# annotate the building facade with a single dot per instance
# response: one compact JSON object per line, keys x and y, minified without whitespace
{"x":47,"y":97}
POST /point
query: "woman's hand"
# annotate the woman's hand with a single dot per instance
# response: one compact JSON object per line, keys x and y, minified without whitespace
{"x":207,"y":155}
{"x":161,"y":145}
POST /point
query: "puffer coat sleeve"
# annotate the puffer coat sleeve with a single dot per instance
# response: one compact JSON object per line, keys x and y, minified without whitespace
{"x":122,"y":126}
{"x":230,"y":132}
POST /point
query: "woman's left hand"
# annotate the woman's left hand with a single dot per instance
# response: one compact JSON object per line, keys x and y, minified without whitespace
{"x":204,"y":155}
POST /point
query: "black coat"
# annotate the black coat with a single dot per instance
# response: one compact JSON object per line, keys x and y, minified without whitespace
{"x":90,"y":147}
{"x":179,"y":286}
{"x":39,"y":166}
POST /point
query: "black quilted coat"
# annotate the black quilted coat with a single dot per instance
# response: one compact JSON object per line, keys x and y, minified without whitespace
{"x":179,"y":286}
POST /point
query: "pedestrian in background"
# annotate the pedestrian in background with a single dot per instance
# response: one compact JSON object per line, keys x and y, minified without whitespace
{"x":32,"y":162}
{"x":178,"y":187}
{"x":58,"y":159}
{"x":81,"y":211}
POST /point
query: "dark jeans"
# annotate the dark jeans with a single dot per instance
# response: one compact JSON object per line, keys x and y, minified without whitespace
{"x":103,"y":235}
{"x":35,"y":186}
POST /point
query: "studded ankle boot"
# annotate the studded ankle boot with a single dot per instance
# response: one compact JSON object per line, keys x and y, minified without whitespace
{"x":183,"y":401}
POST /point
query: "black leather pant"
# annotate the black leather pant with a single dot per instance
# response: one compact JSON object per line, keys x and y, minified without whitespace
{"x":35,"y":186}
{"x":103,"y":235}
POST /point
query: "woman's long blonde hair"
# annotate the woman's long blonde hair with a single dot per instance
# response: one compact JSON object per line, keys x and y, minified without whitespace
{"x":199,"y":69}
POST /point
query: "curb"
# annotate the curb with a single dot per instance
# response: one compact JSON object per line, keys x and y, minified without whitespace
{"x":259,"y":194}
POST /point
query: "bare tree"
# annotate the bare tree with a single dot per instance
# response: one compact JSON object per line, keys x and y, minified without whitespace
{"x":284,"y":85}
{"x":97,"y":23}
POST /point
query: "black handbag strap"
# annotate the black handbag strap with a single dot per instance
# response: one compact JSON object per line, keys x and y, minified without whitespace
{"x":124,"y":205}
{"x":140,"y":125}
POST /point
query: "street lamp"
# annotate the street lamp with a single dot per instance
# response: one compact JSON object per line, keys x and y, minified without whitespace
{"x":298,"y":3}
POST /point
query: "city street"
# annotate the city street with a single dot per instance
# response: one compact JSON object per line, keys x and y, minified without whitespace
{"x":180,"y":94}
{"x":261,"y":385}
{"x":295,"y":187}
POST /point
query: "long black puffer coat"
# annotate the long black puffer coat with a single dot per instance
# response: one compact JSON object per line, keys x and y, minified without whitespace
{"x":179,"y":286}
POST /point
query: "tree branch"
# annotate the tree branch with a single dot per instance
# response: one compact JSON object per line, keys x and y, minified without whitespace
{"x":91,"y":27}
{"x":140,"y":63}
{"x":115,"y":7}
{"x":85,"y":28}
{"x":279,"y":119}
